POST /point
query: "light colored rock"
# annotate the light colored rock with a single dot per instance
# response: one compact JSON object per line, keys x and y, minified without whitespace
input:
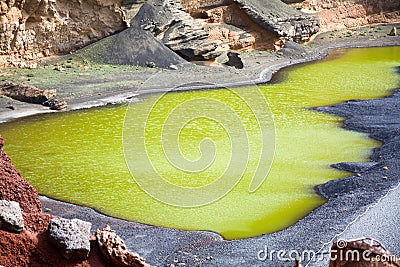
{"x":11,"y":216}
{"x":115,"y":251}
{"x":72,"y":237}
{"x":345,"y":14}
{"x":33,"y":29}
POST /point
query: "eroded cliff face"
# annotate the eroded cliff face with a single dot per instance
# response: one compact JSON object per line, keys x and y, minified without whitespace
{"x":33,"y":29}
{"x":339,"y":15}
{"x":252,"y":24}
{"x":231,"y":26}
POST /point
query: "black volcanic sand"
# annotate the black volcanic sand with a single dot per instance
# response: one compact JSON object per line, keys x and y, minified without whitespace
{"x":357,"y":205}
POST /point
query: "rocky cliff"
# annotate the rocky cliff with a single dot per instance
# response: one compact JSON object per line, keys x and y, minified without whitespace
{"x":195,"y":29}
{"x":339,"y":15}
{"x":33,"y":29}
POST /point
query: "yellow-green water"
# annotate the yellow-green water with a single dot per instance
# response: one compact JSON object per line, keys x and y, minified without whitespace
{"x":78,"y":156}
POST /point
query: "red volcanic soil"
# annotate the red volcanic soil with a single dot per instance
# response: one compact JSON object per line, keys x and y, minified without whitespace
{"x":31,"y":247}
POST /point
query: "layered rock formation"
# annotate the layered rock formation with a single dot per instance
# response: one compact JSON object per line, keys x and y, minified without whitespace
{"x":339,"y":15}
{"x":33,"y":29}
{"x":194,"y":29}
{"x":32,"y":94}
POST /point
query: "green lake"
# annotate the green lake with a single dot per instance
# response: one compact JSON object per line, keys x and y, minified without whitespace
{"x":78,"y":156}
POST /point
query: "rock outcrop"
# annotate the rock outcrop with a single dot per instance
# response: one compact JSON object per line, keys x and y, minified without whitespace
{"x":252,"y":24}
{"x":339,"y":15}
{"x":33,"y":29}
{"x":168,"y":22}
{"x":32,"y":94}
{"x":277,"y":17}
{"x":72,"y":237}
{"x":115,"y":251}
{"x":133,"y":46}
{"x":11,"y":216}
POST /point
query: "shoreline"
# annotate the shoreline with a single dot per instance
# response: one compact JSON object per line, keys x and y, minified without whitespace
{"x":170,"y":246}
{"x":172,"y":81}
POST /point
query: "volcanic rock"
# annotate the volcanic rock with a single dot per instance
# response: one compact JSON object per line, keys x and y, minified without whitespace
{"x":11,"y":216}
{"x":72,"y":237}
{"x":56,"y":103}
{"x":168,"y":21}
{"x":32,"y":94}
{"x":355,"y":167}
{"x":393,"y":32}
{"x":234,"y":60}
{"x":115,"y":251}
{"x":26,"y":93}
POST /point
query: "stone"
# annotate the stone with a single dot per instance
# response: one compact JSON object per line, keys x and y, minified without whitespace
{"x":72,"y":237}
{"x":114,"y":250}
{"x":26,"y":93}
{"x":354,"y":167}
{"x":393,"y":32}
{"x":173,"y":67}
{"x":234,"y":60}
{"x":370,"y":252}
{"x":11,"y":216}
{"x":56,"y":103}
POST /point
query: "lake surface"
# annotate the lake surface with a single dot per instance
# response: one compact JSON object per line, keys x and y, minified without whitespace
{"x":79,"y":156}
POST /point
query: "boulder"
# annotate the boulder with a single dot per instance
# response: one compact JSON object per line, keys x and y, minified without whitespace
{"x":32,"y":94}
{"x":11,"y":216}
{"x":277,"y":17}
{"x":113,"y":248}
{"x":393,"y":32}
{"x":234,"y":60}
{"x":176,"y":29}
{"x":72,"y":237}
{"x":26,"y":93}
{"x":56,"y":103}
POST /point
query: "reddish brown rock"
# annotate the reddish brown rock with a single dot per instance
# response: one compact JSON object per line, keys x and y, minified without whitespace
{"x":32,"y":94}
{"x":115,"y":251}
{"x":364,"y":252}
{"x":31,"y":247}
{"x":26,"y":93}
{"x":340,"y":15}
